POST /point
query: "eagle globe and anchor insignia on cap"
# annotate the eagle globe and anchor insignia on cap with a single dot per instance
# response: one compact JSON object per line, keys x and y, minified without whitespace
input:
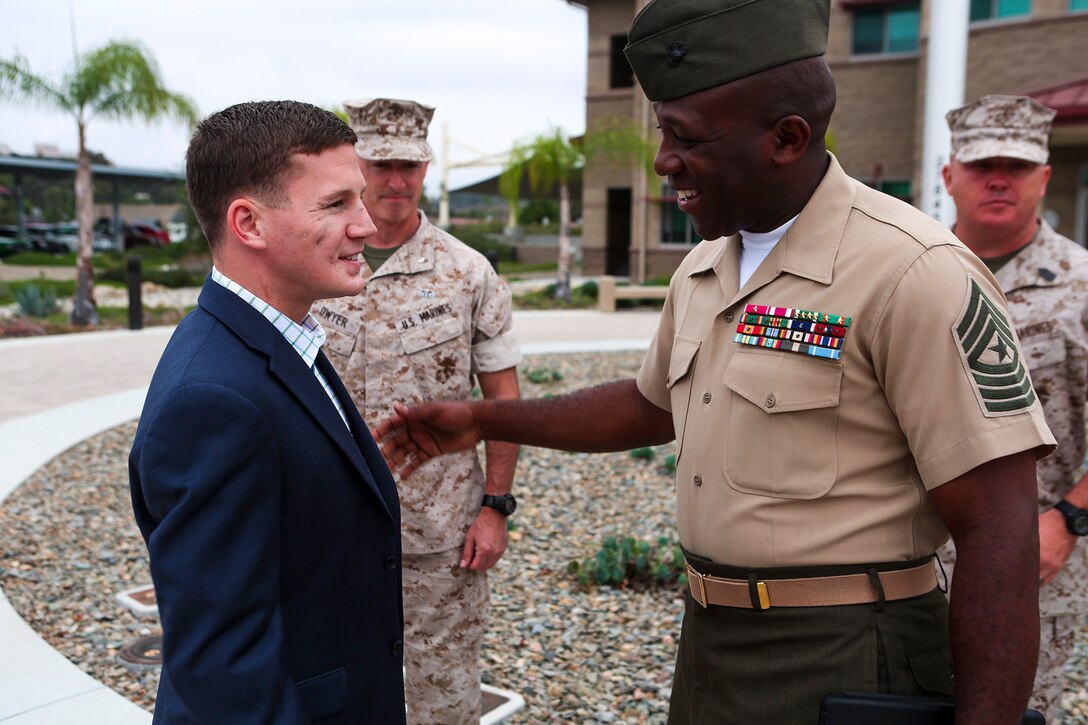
{"x":675,"y":53}
{"x":991,"y":355}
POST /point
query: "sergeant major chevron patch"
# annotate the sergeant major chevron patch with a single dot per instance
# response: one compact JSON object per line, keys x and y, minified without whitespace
{"x":991,"y":355}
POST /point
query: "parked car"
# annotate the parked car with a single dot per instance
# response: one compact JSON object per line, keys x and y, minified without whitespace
{"x":103,"y":243}
{"x":135,"y":234}
{"x":64,"y":235}
{"x":40,"y":235}
{"x":11,"y":243}
{"x":68,"y":234}
{"x":146,"y":234}
{"x":178,"y":231}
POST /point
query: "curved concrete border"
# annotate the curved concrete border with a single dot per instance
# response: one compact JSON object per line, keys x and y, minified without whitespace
{"x":40,"y":685}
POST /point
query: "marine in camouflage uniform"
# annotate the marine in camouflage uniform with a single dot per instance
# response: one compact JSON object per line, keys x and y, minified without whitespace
{"x":1046,"y":284}
{"x":433,"y":319}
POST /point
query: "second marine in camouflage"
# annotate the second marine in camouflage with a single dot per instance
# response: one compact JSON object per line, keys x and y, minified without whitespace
{"x":433,"y":319}
{"x":997,"y":178}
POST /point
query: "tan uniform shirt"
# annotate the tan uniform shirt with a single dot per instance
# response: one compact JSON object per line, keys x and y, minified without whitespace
{"x":788,"y":459}
{"x":1046,"y":284}
{"x":428,"y":320}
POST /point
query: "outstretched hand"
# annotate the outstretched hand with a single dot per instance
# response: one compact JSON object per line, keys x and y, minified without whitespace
{"x":414,"y":435}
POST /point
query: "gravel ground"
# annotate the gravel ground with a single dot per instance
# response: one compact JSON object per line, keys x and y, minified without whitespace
{"x":68,"y":545}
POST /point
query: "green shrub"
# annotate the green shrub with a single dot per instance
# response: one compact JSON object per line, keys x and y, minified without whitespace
{"x":34,"y":302}
{"x":485,"y":238}
{"x":42,"y":259}
{"x":643,"y":454}
{"x":630,"y":562}
{"x":536,"y":210}
{"x":174,"y":278}
{"x":165,"y":275}
{"x":512,"y":270}
{"x":544,"y":298}
{"x":669,"y":464}
{"x":56,"y":287}
{"x":543,"y":376}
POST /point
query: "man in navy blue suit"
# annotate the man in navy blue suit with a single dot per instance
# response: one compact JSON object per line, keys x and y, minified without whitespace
{"x":271,"y":520}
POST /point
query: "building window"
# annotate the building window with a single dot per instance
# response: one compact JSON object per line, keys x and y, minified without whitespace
{"x":891,"y":28}
{"x":620,"y":71}
{"x":991,"y":9}
{"x":899,"y":188}
{"x":1078,"y":4}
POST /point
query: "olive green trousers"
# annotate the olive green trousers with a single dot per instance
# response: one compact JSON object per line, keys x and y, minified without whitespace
{"x":773,"y":667}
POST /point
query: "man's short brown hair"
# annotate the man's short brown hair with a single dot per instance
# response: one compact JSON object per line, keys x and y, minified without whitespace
{"x":246,"y":149}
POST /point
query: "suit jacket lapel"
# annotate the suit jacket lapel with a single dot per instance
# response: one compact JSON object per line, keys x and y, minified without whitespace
{"x":285,"y":364}
{"x":373,"y":467}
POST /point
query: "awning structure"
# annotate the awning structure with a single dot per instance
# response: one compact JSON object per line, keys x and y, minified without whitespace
{"x":25,"y":166}
{"x":1070,"y":100}
{"x":53,"y":168}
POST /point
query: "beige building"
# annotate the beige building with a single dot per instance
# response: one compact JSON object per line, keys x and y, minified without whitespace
{"x":877,"y":51}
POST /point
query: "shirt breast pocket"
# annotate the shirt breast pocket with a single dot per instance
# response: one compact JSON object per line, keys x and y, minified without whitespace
{"x":1042,"y":352}
{"x":783,"y":421}
{"x":340,"y":343}
{"x":678,"y":382}
{"x":427,"y":336}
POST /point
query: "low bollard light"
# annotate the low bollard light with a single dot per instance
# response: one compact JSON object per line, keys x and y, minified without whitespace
{"x":135,"y":304}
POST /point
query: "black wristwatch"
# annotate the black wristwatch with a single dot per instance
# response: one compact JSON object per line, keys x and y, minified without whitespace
{"x":506,"y":504}
{"x":1076,"y":519}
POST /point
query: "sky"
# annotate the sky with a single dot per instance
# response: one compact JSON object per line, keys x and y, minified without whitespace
{"x":496,"y":71}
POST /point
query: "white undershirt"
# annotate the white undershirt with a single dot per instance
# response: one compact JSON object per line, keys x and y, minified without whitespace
{"x":755,"y":246}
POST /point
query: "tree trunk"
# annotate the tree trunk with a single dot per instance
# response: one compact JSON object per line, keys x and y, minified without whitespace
{"x":84,"y":309}
{"x":566,"y":249}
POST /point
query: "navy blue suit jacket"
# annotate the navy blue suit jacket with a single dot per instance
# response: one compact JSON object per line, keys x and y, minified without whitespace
{"x":273,"y":532}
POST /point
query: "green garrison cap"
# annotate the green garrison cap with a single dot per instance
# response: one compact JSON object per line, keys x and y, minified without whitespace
{"x":680,"y":47}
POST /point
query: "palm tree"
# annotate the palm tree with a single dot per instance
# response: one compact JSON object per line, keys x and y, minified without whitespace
{"x":510,"y":183}
{"x":118,"y":81}
{"x":621,"y":143}
{"x":551,"y":159}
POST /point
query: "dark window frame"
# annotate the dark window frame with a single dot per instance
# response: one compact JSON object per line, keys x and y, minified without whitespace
{"x":994,"y":11}
{"x":620,"y":74}
{"x":883,"y":13}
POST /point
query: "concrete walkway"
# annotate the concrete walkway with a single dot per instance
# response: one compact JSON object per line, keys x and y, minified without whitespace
{"x":57,"y":391}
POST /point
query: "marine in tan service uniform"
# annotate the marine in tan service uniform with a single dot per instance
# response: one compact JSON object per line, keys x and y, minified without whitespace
{"x":997,"y":177}
{"x":433,"y":320}
{"x":844,"y":388}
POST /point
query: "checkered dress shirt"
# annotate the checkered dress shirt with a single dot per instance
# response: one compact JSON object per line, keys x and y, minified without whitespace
{"x":306,"y":338}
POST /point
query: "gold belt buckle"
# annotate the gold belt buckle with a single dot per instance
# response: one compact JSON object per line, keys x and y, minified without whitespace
{"x":764,"y":596}
{"x":694,"y":576}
